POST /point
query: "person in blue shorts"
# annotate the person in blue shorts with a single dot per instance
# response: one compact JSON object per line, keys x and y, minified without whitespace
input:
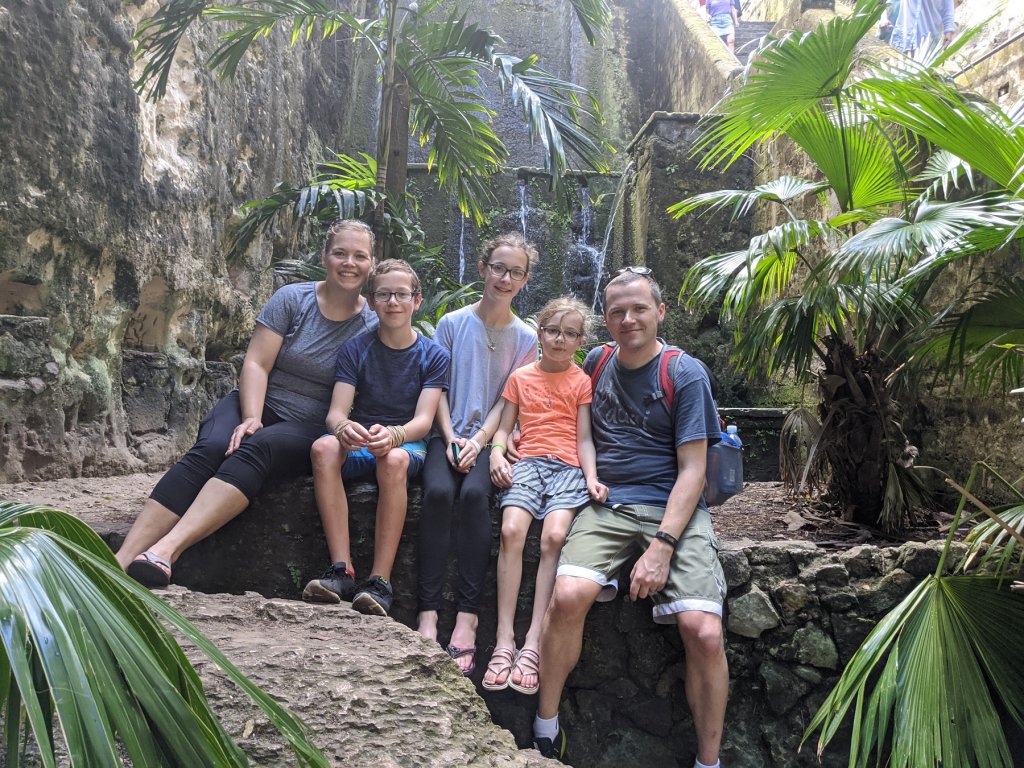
{"x":387,"y":388}
{"x":652,"y":460}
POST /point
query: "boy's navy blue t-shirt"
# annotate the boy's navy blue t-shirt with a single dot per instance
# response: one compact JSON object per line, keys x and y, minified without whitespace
{"x":634,"y":436}
{"x":388,"y":381}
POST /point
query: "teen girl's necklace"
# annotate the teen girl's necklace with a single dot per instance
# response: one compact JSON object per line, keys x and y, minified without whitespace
{"x":491,"y":344}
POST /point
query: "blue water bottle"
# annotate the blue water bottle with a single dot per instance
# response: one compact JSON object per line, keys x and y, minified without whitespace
{"x":724,"y":468}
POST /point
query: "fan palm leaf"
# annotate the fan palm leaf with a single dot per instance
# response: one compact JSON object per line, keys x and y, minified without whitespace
{"x":782,"y":190}
{"x":786,"y":78}
{"x":946,"y":648}
{"x":983,"y":342}
{"x":79,"y":640}
{"x":978,"y":132}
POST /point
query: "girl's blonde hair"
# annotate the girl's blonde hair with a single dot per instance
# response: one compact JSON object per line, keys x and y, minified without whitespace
{"x":564,"y":304}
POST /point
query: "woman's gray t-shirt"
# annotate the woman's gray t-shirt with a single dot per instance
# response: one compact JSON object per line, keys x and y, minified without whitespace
{"x":478,"y":374}
{"x":302,"y":379}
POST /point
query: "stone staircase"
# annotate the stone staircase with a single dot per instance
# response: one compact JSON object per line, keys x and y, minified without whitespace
{"x":749,"y":35}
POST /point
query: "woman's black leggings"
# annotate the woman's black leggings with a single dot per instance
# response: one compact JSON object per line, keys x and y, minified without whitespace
{"x":441,"y":485}
{"x":279,"y":450}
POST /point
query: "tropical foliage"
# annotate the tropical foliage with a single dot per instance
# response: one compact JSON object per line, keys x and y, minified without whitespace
{"x":432,"y":70}
{"x":82,"y":647}
{"x":847,"y":291}
{"x":929,"y":683}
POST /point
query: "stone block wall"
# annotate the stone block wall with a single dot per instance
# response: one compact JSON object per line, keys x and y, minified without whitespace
{"x":117,"y":305}
{"x":795,"y":615}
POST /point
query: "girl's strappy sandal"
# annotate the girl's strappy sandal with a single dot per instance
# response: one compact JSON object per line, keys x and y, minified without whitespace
{"x":528,"y":663}
{"x":500,"y":664}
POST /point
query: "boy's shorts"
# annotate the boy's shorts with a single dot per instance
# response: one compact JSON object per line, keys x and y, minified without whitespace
{"x":542,"y":483}
{"x":601,"y":539}
{"x":362,"y":465}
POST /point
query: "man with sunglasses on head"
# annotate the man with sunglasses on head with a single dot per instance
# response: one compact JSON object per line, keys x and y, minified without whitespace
{"x":651,"y":457}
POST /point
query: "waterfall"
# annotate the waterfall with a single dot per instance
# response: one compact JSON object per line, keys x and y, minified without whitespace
{"x":462,"y":251}
{"x":591,"y":257}
{"x":522,"y":204}
{"x":620,"y":192}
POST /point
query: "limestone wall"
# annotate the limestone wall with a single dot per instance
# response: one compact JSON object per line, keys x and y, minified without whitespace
{"x":679,"y":63}
{"x":115,"y":299}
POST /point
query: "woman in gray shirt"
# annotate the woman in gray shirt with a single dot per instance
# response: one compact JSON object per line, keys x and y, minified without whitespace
{"x":267,"y":425}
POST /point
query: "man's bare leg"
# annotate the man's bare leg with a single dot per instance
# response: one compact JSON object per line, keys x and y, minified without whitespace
{"x":707,"y":679}
{"x":561,"y":638}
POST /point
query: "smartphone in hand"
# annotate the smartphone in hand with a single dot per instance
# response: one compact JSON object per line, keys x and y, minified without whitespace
{"x":456,"y":449}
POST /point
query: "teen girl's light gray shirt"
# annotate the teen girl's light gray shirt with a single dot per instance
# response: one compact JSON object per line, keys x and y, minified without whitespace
{"x":301,"y":382}
{"x":478,"y":374}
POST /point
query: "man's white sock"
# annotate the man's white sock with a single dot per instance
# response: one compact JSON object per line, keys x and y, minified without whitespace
{"x":699,"y":764}
{"x":545,"y":728}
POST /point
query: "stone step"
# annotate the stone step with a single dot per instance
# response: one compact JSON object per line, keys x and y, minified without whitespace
{"x":748,"y":36}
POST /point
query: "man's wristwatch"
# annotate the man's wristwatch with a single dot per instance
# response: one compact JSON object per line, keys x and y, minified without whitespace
{"x":668,"y":538}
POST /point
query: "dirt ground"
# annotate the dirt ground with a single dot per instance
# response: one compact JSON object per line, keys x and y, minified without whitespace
{"x":762,"y":512}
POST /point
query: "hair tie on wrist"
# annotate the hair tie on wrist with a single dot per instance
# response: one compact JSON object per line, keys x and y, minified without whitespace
{"x":499,"y":445}
{"x":475,"y":444}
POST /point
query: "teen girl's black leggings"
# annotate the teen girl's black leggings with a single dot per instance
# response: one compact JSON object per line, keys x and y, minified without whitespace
{"x":442,"y":487}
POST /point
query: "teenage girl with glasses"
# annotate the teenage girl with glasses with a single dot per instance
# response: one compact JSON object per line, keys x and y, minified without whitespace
{"x":486,"y":342}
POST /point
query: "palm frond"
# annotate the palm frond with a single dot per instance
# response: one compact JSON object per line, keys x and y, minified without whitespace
{"x":978,"y":132}
{"x":250,"y":21}
{"x":158,"y":37}
{"x":555,"y":113}
{"x":888,"y":245}
{"x":990,"y":543}
{"x":323,"y":201}
{"x":594,"y":17}
{"x":80,"y":640}
{"x":943,"y":652}
{"x":786,"y":78}
{"x":943,"y":171}
{"x":742,"y":201}
{"x":984,"y":343}
{"x":865,"y":162}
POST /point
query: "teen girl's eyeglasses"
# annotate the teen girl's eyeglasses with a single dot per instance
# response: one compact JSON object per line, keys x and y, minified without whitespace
{"x":499,"y":270}
{"x":402,"y":297}
{"x":551,"y":333}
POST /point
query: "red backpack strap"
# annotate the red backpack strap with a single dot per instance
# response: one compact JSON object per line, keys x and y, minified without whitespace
{"x":606,"y":354}
{"x":666,"y":379}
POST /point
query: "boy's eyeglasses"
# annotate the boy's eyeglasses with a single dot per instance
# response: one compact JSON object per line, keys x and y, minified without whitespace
{"x":552,"y":333}
{"x":645,"y":271}
{"x":499,"y":270}
{"x":383,"y":297}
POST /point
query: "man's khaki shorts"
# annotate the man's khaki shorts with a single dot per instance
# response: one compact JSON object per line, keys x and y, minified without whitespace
{"x":601,"y":539}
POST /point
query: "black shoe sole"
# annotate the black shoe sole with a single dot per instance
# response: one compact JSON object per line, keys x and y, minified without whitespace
{"x":366,"y":603}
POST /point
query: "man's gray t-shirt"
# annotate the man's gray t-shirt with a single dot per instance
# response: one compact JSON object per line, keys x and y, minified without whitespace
{"x":635,"y":436}
{"x":478,"y":374}
{"x":301,"y":382}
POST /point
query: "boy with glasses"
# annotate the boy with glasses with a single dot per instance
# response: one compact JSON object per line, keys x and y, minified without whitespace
{"x":387,"y":388}
{"x":556,"y":475}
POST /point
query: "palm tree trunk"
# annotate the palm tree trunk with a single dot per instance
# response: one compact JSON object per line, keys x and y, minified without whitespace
{"x":865,"y":439}
{"x":385,"y":138}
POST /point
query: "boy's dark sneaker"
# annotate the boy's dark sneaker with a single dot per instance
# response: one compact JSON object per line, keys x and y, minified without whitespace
{"x":374,"y":597}
{"x":555,"y":747}
{"x":338,"y":583}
